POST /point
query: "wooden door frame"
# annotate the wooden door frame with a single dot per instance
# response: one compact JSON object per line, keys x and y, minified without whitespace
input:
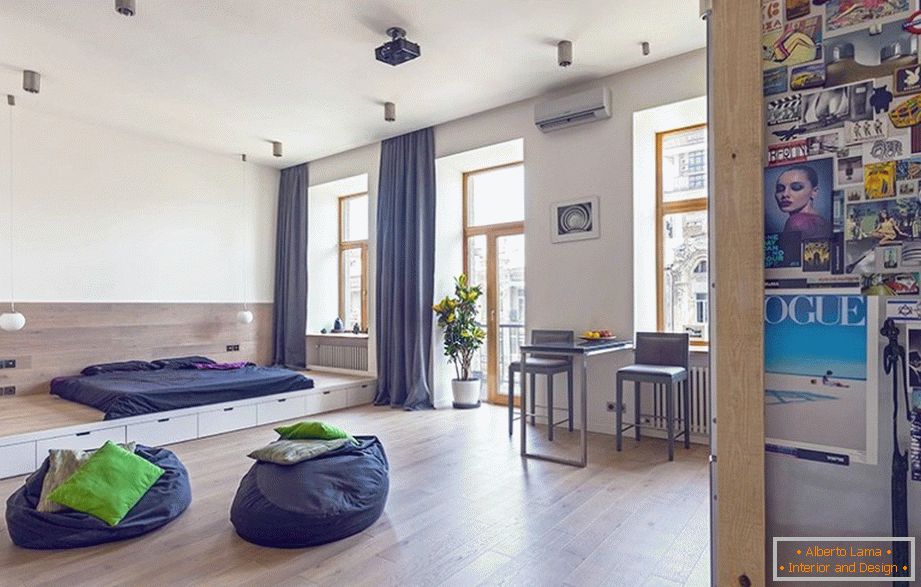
{"x":737,"y":291}
{"x":492,"y":232}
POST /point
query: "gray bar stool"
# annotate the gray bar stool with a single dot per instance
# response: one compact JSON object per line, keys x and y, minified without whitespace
{"x":661,"y":358}
{"x":548,"y":365}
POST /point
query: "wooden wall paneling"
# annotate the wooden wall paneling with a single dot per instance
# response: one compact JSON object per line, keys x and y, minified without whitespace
{"x":737,"y":348}
{"x":62,"y":338}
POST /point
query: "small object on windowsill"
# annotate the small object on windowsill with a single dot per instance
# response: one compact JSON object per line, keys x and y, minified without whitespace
{"x":356,"y":329}
{"x":323,"y":331}
{"x":338,"y":325}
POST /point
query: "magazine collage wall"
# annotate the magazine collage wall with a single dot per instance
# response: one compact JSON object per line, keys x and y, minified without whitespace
{"x":842,"y":214}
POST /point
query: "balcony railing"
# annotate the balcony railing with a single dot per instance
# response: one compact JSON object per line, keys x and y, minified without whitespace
{"x":511,"y":337}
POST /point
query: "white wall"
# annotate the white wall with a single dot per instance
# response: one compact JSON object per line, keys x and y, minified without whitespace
{"x":103,"y":215}
{"x":646,"y":123}
{"x":576,"y":285}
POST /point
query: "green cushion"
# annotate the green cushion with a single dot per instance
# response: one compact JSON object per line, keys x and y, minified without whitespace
{"x":312,"y":429}
{"x":108,"y":485}
{"x":62,"y":463}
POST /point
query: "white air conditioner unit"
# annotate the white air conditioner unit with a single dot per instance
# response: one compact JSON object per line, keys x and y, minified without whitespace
{"x":587,"y":106}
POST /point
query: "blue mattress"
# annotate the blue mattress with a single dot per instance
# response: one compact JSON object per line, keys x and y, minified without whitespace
{"x":132,"y":393}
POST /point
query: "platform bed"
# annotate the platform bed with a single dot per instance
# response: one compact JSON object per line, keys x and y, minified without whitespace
{"x":32,"y":424}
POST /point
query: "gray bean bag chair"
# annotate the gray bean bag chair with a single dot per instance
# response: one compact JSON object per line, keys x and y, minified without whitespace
{"x":320,"y":500}
{"x":163,"y":503}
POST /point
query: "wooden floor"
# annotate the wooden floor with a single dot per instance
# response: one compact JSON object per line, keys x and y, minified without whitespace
{"x":464,"y":509}
{"x":37,"y":412}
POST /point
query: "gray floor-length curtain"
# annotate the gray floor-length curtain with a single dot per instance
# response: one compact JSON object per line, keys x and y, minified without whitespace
{"x":405,"y":270}
{"x":289,"y":324}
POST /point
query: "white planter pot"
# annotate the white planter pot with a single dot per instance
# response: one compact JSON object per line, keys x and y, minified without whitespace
{"x":466,"y":393}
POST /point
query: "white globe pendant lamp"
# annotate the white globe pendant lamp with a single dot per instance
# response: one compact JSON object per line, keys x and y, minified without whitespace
{"x":244,"y":316}
{"x":11,"y":321}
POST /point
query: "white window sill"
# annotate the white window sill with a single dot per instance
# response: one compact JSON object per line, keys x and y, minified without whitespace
{"x":360,"y":335}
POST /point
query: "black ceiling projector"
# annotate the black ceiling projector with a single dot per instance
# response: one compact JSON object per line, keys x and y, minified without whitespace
{"x":398,"y":50}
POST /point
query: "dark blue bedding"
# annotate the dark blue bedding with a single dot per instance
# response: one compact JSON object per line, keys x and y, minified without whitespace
{"x":131,"y":393}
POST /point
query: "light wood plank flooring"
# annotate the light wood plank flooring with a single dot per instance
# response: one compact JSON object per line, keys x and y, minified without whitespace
{"x":464,"y":509}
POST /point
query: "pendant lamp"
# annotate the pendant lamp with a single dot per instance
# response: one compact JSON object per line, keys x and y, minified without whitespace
{"x":244,"y":316}
{"x":11,"y":321}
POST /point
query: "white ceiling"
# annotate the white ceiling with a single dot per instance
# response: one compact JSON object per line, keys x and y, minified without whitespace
{"x":231,"y":75}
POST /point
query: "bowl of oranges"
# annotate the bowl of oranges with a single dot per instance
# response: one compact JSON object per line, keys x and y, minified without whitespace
{"x":598,"y":335}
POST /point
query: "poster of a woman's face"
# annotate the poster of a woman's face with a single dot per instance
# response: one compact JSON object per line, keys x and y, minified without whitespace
{"x":798,"y":199}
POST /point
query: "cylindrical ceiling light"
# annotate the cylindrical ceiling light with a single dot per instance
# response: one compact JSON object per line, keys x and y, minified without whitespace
{"x":12,"y":320}
{"x":277,"y":148}
{"x":244,"y":316}
{"x":564,"y":53}
{"x":31,"y":81}
{"x":390,"y":111}
{"x":126,"y":7}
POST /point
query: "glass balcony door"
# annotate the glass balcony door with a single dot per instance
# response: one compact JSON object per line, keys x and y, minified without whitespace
{"x":494,"y":260}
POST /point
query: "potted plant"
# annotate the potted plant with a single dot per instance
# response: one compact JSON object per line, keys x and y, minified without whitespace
{"x":462,"y":337}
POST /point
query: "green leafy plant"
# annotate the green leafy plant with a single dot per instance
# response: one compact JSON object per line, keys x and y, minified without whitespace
{"x":457,"y":317}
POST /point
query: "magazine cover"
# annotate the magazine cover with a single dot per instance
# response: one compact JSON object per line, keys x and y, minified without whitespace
{"x":817,"y":394}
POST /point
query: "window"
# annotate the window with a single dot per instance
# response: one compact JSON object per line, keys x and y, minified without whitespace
{"x":701,"y":306}
{"x":681,"y":232}
{"x":494,"y":259}
{"x":697,"y":162}
{"x":353,"y":260}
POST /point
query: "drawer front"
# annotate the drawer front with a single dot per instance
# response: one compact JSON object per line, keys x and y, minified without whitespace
{"x":226,"y":420}
{"x":81,"y":441}
{"x":280,"y":409}
{"x":361,"y":394}
{"x":164,"y":431}
{"x":328,"y":401}
{"x":17,"y":459}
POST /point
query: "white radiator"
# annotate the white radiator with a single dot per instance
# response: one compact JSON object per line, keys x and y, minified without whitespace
{"x":699,"y":380}
{"x":340,"y":356}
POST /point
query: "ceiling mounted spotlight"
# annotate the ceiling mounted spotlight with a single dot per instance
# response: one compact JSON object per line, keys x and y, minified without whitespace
{"x":645,"y":45}
{"x":31,"y":81}
{"x":126,"y":7}
{"x":277,"y":148}
{"x":397,"y":50}
{"x":390,"y":111}
{"x":564,"y":53}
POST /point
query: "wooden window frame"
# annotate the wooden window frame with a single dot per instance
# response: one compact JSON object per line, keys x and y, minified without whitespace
{"x":664,"y":209}
{"x":344,"y":246}
{"x":492,"y":232}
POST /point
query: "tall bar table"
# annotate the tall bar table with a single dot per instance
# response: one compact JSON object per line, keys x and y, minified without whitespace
{"x":584,"y":350}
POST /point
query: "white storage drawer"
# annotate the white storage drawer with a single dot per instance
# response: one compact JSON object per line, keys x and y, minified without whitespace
{"x":17,"y":459}
{"x":361,"y":394}
{"x":164,"y":430}
{"x":226,"y":420}
{"x":280,"y":409}
{"x":80,"y":441}
{"x":327,"y":401}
